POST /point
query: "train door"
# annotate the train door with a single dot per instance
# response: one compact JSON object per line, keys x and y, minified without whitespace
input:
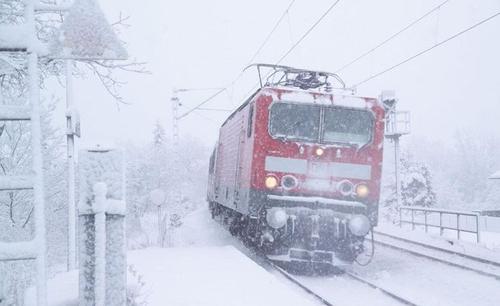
{"x":239,"y":162}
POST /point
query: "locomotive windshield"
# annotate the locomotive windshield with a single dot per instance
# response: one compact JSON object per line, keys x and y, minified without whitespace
{"x":294,"y":121}
{"x":298,"y":122}
{"x":342,"y":125}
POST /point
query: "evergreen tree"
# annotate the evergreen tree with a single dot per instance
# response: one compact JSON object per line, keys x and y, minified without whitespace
{"x":159,"y":135}
{"x":416,"y":185}
{"x":416,"y":189}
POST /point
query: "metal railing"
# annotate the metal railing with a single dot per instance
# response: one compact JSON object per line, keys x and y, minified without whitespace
{"x":427,"y":212}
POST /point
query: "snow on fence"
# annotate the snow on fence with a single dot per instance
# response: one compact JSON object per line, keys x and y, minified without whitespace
{"x":102,"y":245}
{"x":443,"y":219}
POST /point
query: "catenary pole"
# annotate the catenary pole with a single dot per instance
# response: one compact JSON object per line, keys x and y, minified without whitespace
{"x":70,"y":137}
{"x":396,"y":171}
{"x":175,"y":148}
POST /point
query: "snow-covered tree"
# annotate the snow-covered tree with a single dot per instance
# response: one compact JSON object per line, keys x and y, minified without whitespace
{"x":416,"y":189}
{"x":151,"y":167}
{"x":460,"y":168}
{"x":16,"y":207}
{"x":159,"y":135}
{"x":416,"y":185}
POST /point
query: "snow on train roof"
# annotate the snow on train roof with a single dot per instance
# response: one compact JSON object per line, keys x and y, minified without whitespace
{"x":310,"y":96}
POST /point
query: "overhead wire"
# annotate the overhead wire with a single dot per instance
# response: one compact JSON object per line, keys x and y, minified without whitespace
{"x":306,"y":33}
{"x":428,"y":49}
{"x":268,"y":37}
{"x":385,"y":41}
{"x":259,"y":49}
{"x":202,"y":103}
{"x":309,"y":30}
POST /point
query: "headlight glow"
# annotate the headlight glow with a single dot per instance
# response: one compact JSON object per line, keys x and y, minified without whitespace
{"x":271,"y":182}
{"x":320,"y":151}
{"x":362,"y":191}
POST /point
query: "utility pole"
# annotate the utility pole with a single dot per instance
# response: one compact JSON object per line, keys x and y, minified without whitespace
{"x":177,"y":192}
{"x":72,"y":130}
{"x":397,"y":124}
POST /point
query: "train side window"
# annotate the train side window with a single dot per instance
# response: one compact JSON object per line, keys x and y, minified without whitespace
{"x":250,"y":121}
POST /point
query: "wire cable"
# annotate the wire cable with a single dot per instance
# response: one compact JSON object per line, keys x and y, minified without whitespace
{"x":266,"y":40}
{"x":391,"y":37}
{"x":330,"y":8}
{"x":202,"y":103}
{"x":268,"y":37}
{"x":427,"y":50}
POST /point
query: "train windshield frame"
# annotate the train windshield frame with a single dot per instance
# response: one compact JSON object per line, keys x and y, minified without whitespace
{"x":347,"y":125}
{"x":324,"y":124}
{"x":295,"y":121}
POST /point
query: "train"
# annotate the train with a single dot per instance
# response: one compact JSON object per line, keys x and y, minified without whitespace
{"x":296,"y":170}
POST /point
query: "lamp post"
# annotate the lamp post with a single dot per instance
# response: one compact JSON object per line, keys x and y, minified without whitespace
{"x":73,"y":48}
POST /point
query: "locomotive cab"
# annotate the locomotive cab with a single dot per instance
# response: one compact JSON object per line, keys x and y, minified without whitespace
{"x":298,"y":172}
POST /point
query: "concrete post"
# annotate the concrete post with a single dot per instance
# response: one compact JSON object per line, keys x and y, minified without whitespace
{"x":102,"y":241}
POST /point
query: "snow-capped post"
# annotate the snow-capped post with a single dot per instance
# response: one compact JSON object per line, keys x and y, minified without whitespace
{"x":99,"y":207}
{"x":102,"y":241}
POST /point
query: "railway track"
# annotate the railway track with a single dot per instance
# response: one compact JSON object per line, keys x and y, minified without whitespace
{"x":325,"y":301}
{"x":384,"y":291}
{"x":261,"y":259}
{"x":460,"y":260}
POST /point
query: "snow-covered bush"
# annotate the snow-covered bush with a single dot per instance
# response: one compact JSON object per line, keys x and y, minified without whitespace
{"x":136,"y":295}
{"x":416,"y":189}
{"x":460,"y":168}
{"x":151,"y":167}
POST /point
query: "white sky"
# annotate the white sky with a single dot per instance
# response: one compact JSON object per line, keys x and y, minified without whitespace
{"x":207,"y":43}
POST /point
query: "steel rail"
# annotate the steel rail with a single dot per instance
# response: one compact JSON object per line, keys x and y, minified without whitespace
{"x":298,"y":283}
{"x":475,"y":258}
{"x":375,"y":286}
{"x":261,"y":259}
{"x":433,"y":258}
{"x":350,"y":274}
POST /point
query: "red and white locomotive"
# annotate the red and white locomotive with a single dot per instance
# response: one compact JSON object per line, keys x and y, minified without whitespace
{"x":297,"y":168}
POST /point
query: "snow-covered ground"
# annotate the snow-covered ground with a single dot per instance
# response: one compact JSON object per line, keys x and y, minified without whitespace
{"x":208,"y":266}
{"x":426,"y":282}
{"x":205,"y":268}
{"x":488,"y":248}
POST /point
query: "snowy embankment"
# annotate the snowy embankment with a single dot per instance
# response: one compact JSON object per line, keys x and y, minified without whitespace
{"x":419,"y":280}
{"x":488,"y":248}
{"x":203,"y":269}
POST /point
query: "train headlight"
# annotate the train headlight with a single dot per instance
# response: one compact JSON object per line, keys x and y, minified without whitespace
{"x":276,"y":217}
{"x":345,"y":187}
{"x":271,"y":182}
{"x":362,"y":191}
{"x":289,"y":182}
{"x":319,"y":151}
{"x":359,"y":225}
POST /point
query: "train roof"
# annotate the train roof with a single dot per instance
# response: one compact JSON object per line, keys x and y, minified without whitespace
{"x":311,"y":96}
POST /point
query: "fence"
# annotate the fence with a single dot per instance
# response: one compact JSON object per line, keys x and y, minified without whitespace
{"x":429,"y":214}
